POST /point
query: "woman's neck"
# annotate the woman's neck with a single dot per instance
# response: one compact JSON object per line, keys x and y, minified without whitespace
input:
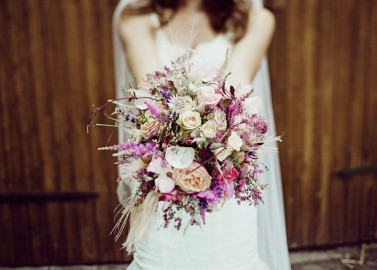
{"x":192,"y":5}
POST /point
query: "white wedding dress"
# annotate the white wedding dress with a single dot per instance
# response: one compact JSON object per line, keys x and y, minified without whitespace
{"x":237,"y":237}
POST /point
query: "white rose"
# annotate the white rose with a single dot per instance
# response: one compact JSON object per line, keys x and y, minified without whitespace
{"x":189,"y":120}
{"x":220,"y":118}
{"x":234,"y":141}
{"x":222,"y":153}
{"x":209,"y":129}
{"x":252,"y":105}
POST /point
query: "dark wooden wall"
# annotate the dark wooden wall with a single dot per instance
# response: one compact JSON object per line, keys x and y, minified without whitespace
{"x":324,"y":76}
{"x":57,"y":191}
{"x":56,"y":61}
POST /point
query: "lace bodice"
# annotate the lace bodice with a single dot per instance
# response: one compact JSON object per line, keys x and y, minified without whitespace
{"x":211,"y":53}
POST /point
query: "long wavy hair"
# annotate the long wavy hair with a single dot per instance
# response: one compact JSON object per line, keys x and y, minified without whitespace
{"x":224,"y":15}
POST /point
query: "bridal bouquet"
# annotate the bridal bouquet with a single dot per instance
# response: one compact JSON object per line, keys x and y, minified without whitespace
{"x":193,"y":143}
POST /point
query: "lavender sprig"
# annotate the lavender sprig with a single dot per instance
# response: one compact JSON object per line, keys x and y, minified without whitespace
{"x":156,"y":112}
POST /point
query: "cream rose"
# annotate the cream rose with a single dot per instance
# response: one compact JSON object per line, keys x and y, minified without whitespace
{"x":189,"y":120}
{"x":150,"y":127}
{"x":192,"y":179}
{"x":234,"y":141}
{"x":209,"y":129}
{"x":220,"y":118}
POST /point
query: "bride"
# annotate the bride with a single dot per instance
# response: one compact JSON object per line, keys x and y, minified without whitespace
{"x":147,"y":36}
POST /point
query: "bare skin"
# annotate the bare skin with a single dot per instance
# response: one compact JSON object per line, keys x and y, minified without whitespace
{"x":138,"y":35}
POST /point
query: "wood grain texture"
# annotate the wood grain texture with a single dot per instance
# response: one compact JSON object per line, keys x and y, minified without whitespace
{"x":323,"y":84}
{"x":57,"y":60}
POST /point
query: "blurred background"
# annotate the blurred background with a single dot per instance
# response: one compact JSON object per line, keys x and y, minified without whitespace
{"x":57,"y":192}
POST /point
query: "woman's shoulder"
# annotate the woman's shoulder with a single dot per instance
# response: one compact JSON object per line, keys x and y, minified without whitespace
{"x":136,"y":21}
{"x":132,"y":24}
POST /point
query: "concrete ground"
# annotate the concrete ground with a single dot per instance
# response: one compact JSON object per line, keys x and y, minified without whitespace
{"x":351,"y":257}
{"x":329,"y":259}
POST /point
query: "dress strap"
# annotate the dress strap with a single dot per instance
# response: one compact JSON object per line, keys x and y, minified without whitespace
{"x":155,"y":20}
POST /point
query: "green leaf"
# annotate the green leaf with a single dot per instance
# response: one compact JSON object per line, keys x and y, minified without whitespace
{"x":225,"y":103}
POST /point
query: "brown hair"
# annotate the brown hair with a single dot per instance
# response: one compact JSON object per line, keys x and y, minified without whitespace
{"x":225,"y":15}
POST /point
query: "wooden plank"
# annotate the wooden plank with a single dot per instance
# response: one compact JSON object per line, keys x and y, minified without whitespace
{"x":321,"y":72}
{"x":66,"y":47}
{"x":324,"y":81}
{"x":47,"y":70}
{"x":105,"y":180}
{"x":22,"y":236}
{"x":6,"y":235}
{"x":57,"y":62}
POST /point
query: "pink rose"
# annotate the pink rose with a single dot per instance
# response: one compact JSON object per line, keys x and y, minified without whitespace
{"x":261,"y":126}
{"x":170,"y":197}
{"x":231,"y":175}
{"x":207,"y":97}
{"x":192,"y":179}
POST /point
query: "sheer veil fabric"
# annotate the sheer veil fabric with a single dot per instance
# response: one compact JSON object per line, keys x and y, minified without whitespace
{"x":272,"y":243}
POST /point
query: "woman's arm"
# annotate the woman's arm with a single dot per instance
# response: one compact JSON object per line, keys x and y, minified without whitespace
{"x":249,"y":51}
{"x":137,"y":33}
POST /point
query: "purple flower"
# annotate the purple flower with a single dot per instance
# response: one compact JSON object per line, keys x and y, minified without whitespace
{"x":261,"y":126}
{"x":131,"y":148}
{"x":256,"y":195}
{"x":208,"y":196}
{"x":156,"y":112}
{"x":165,"y":94}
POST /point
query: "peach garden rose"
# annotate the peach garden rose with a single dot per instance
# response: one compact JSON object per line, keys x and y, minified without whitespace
{"x":150,"y":127}
{"x":193,"y":178}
